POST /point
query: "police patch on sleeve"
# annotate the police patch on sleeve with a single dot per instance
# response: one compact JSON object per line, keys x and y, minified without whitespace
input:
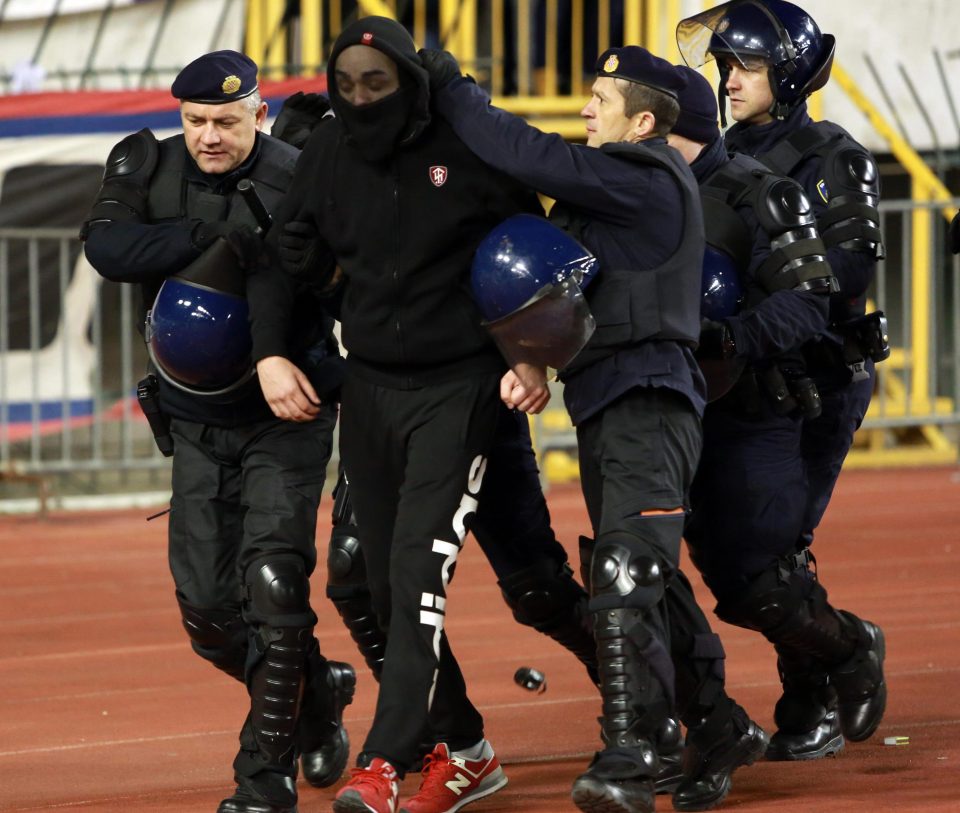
{"x":824,"y":190}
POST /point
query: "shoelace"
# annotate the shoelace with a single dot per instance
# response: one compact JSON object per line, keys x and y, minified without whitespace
{"x":433,"y":774}
{"x":374,"y":778}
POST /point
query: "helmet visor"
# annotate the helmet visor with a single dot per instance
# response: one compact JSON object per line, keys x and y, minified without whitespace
{"x":549,"y":330}
{"x":743,"y":29}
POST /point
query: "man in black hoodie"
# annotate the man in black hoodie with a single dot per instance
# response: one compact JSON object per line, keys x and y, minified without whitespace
{"x":399,"y":204}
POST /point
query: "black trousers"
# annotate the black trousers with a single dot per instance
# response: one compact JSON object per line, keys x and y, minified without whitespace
{"x":239,"y":493}
{"x":513,"y":522}
{"x":415,"y":460}
{"x":638,"y":456}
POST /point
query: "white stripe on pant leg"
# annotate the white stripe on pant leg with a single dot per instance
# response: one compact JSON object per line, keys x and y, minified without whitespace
{"x":430,"y":617}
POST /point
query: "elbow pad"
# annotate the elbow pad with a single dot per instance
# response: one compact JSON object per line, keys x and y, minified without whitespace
{"x":126,"y":182}
{"x":798,"y":257}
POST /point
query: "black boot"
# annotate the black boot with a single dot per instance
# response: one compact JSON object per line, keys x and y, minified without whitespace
{"x":712,"y":754}
{"x":670,"y":753}
{"x":248,"y":799}
{"x":621,"y":778}
{"x":808,"y":725}
{"x":322,"y":739}
{"x":861,"y":688}
{"x":617,"y":781}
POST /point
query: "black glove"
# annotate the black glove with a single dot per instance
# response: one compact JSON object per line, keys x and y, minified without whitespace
{"x":304,"y":255}
{"x":442,"y":66}
{"x":955,"y":234}
{"x":716,"y":341}
{"x":243,"y":241}
{"x":298,"y":117}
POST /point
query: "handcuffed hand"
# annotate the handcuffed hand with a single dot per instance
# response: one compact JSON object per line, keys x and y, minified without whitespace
{"x":442,"y":66}
{"x":524,"y":388}
{"x":298,"y":117}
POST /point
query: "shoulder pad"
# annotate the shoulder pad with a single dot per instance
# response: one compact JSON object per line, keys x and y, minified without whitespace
{"x":850,"y":187}
{"x":126,"y":181}
{"x":134,"y":159}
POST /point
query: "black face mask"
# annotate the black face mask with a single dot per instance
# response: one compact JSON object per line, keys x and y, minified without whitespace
{"x":377,"y":128}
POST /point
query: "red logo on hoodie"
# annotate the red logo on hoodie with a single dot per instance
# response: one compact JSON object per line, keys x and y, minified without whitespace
{"x":438,"y":175}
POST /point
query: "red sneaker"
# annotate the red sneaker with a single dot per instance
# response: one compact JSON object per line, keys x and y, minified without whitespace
{"x":373,"y":789}
{"x":451,"y":781}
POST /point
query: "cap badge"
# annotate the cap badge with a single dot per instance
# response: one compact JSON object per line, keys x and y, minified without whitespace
{"x":612,"y":63}
{"x":367,"y":38}
{"x":723,"y":25}
{"x":231,"y":84}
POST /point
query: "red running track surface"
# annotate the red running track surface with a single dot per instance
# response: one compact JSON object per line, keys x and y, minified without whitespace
{"x":103,"y":707}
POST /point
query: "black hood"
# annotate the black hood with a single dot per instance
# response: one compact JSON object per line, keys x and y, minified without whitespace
{"x":392,"y":39}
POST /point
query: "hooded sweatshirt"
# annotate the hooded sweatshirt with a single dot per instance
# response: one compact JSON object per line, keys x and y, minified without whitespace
{"x":403,"y":219}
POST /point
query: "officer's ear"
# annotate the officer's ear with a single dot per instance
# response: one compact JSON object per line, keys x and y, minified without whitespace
{"x":261,"y":115}
{"x":642,"y":125}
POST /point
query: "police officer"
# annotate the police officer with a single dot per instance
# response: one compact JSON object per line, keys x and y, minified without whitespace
{"x":246,"y":486}
{"x":955,"y":234}
{"x":749,"y":496}
{"x":634,"y":392}
{"x":399,"y":204}
{"x":772,"y":56}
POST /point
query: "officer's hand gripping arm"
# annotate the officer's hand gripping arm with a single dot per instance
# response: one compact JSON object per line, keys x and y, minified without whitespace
{"x":442,"y":66}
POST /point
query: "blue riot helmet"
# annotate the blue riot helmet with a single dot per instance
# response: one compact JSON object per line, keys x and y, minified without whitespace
{"x":527,"y":279}
{"x":197,"y":331}
{"x":720,"y":291}
{"x":783,"y":36}
{"x":721,"y":296}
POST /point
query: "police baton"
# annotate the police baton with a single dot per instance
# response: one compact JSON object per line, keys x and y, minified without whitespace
{"x":248,"y":191}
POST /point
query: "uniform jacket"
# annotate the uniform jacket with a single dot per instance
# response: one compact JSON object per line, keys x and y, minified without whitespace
{"x":768,"y":325}
{"x":629,"y":216}
{"x":146,"y":253}
{"x":854,"y":270}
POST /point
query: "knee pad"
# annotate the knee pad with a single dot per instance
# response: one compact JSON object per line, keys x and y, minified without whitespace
{"x":542,"y":594}
{"x":278,"y":592}
{"x":771,"y":598}
{"x":625,"y":571}
{"x":217,"y":635}
{"x":346,"y":567}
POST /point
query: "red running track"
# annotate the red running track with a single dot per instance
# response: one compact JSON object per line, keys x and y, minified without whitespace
{"x":103,"y":707}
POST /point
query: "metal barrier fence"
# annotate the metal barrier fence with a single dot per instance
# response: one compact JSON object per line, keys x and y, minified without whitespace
{"x":70,"y":358}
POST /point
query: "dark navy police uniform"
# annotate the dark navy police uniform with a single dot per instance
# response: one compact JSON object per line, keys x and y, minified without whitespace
{"x":635,"y":394}
{"x":246,"y":485}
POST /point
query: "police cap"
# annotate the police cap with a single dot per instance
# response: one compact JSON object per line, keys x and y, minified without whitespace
{"x":216,"y":78}
{"x":636,"y":64}
{"x":698,"y":108}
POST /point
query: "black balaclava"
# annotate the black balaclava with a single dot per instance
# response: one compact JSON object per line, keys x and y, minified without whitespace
{"x":377,"y":129}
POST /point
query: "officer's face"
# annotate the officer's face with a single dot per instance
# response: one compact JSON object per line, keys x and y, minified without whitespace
{"x":365,"y":75}
{"x":604,"y":113}
{"x":749,"y":89}
{"x":220,"y":136}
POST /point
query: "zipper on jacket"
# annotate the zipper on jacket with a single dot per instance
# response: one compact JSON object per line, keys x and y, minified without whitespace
{"x":396,"y":257}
